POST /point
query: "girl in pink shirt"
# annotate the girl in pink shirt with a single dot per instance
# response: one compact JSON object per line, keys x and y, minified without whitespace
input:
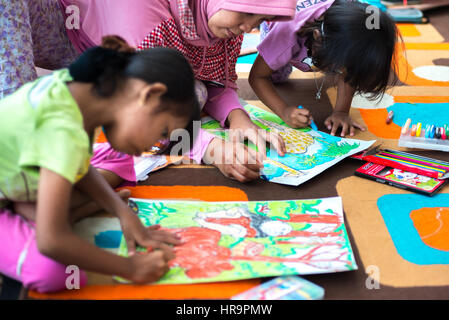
{"x":338,"y":37}
{"x":209,"y":33}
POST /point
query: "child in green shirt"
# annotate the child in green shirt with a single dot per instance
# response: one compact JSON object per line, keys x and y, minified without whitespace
{"x":46,"y":181}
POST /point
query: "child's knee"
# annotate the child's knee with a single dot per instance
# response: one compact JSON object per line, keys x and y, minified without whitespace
{"x":51,"y":276}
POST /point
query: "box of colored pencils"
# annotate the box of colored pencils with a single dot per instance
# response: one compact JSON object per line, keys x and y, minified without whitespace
{"x":400,"y":178}
{"x":409,"y":162}
{"x":424,"y":136}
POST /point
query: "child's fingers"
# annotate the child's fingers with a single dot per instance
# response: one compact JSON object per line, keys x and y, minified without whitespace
{"x":304,"y":112}
{"x":131,"y":245}
{"x":345,"y":128}
{"x":359,"y":126}
{"x":257,"y":137}
{"x":235,"y":174}
{"x":247,"y":157}
{"x":278,"y":143}
{"x":301,"y":119}
{"x":246,"y":172}
{"x":154,"y":227}
{"x":335,"y":127}
{"x":328,"y":124}
{"x":351,"y":130}
{"x":168,"y":251}
{"x":166,"y":237}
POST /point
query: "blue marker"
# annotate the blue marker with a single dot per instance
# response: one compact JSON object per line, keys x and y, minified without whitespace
{"x":312,"y":124}
{"x":432,"y":132}
{"x":427,"y":133}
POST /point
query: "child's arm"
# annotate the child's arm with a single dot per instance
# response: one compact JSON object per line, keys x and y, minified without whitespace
{"x":340,"y":116}
{"x":56,"y":239}
{"x":260,"y":81}
{"x":95,"y":186}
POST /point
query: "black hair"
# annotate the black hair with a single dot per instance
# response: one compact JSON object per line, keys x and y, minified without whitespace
{"x":365,"y":52}
{"x":108,"y":67}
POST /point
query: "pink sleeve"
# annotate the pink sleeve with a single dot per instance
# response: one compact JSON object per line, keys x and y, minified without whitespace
{"x":132,"y":21}
{"x":221,"y":102}
{"x":199,"y":147}
{"x":278,"y":47}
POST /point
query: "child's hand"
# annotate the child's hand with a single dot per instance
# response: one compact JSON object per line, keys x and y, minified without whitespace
{"x":297,"y":118}
{"x":342,"y":119}
{"x":148,"y":267}
{"x":136,"y":234}
{"x":234,"y":160}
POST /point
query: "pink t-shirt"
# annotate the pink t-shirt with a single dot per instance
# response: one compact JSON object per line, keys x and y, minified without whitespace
{"x":282,"y":45}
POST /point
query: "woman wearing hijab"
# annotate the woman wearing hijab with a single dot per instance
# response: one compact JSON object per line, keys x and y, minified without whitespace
{"x":209,"y":33}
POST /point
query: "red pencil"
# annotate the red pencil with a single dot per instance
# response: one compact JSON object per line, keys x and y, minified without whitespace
{"x":402,"y":166}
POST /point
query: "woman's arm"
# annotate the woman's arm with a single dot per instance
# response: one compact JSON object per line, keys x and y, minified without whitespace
{"x":56,"y":239}
{"x":260,"y":81}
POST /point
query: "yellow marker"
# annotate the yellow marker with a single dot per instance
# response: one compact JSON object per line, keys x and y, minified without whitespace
{"x":418,"y":129}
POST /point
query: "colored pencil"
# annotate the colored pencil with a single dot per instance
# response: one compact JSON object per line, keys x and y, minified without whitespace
{"x":418,"y":162}
{"x":403,"y":166}
{"x":411,"y":163}
{"x":440,"y":163}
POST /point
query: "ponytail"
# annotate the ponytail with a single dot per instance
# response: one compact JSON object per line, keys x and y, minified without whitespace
{"x":103,"y":66}
{"x":107,"y":67}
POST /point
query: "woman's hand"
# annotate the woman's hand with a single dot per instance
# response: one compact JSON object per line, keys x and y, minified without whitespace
{"x":297,"y":118}
{"x":233,"y":159}
{"x":242,"y":127}
{"x":342,"y":119}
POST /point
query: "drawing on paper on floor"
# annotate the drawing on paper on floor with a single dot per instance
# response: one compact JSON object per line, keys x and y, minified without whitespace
{"x":309,"y":152}
{"x":224,"y":241}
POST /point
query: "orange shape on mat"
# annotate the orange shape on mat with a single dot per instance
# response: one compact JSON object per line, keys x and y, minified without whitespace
{"x":223,"y":290}
{"x":375,"y":118}
{"x":408,"y":30}
{"x":375,"y":121}
{"x":432,"y":225}
{"x":204,"y":193}
{"x":405,"y":70}
{"x":421,"y":99}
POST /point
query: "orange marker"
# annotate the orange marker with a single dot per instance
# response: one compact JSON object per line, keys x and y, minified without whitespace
{"x":413,"y":131}
{"x":390,"y":117}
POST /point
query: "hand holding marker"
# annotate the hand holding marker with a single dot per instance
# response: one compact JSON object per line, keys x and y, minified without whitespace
{"x":312,"y":124}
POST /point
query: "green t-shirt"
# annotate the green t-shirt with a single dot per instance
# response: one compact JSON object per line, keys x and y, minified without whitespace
{"x":40,"y":126}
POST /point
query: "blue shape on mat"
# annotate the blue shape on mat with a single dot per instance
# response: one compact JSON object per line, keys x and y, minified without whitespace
{"x":426,"y":113}
{"x":108,"y":239}
{"x":395,"y":210}
{"x":249,"y":58}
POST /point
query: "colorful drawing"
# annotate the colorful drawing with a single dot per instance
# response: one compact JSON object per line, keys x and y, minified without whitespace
{"x":283,"y":288}
{"x":309,"y":152}
{"x":226,"y":241}
{"x":409,"y":178}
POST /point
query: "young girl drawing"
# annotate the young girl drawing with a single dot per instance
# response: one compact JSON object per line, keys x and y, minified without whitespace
{"x":334,"y":37}
{"x":46,"y":182}
{"x":209,"y":34}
